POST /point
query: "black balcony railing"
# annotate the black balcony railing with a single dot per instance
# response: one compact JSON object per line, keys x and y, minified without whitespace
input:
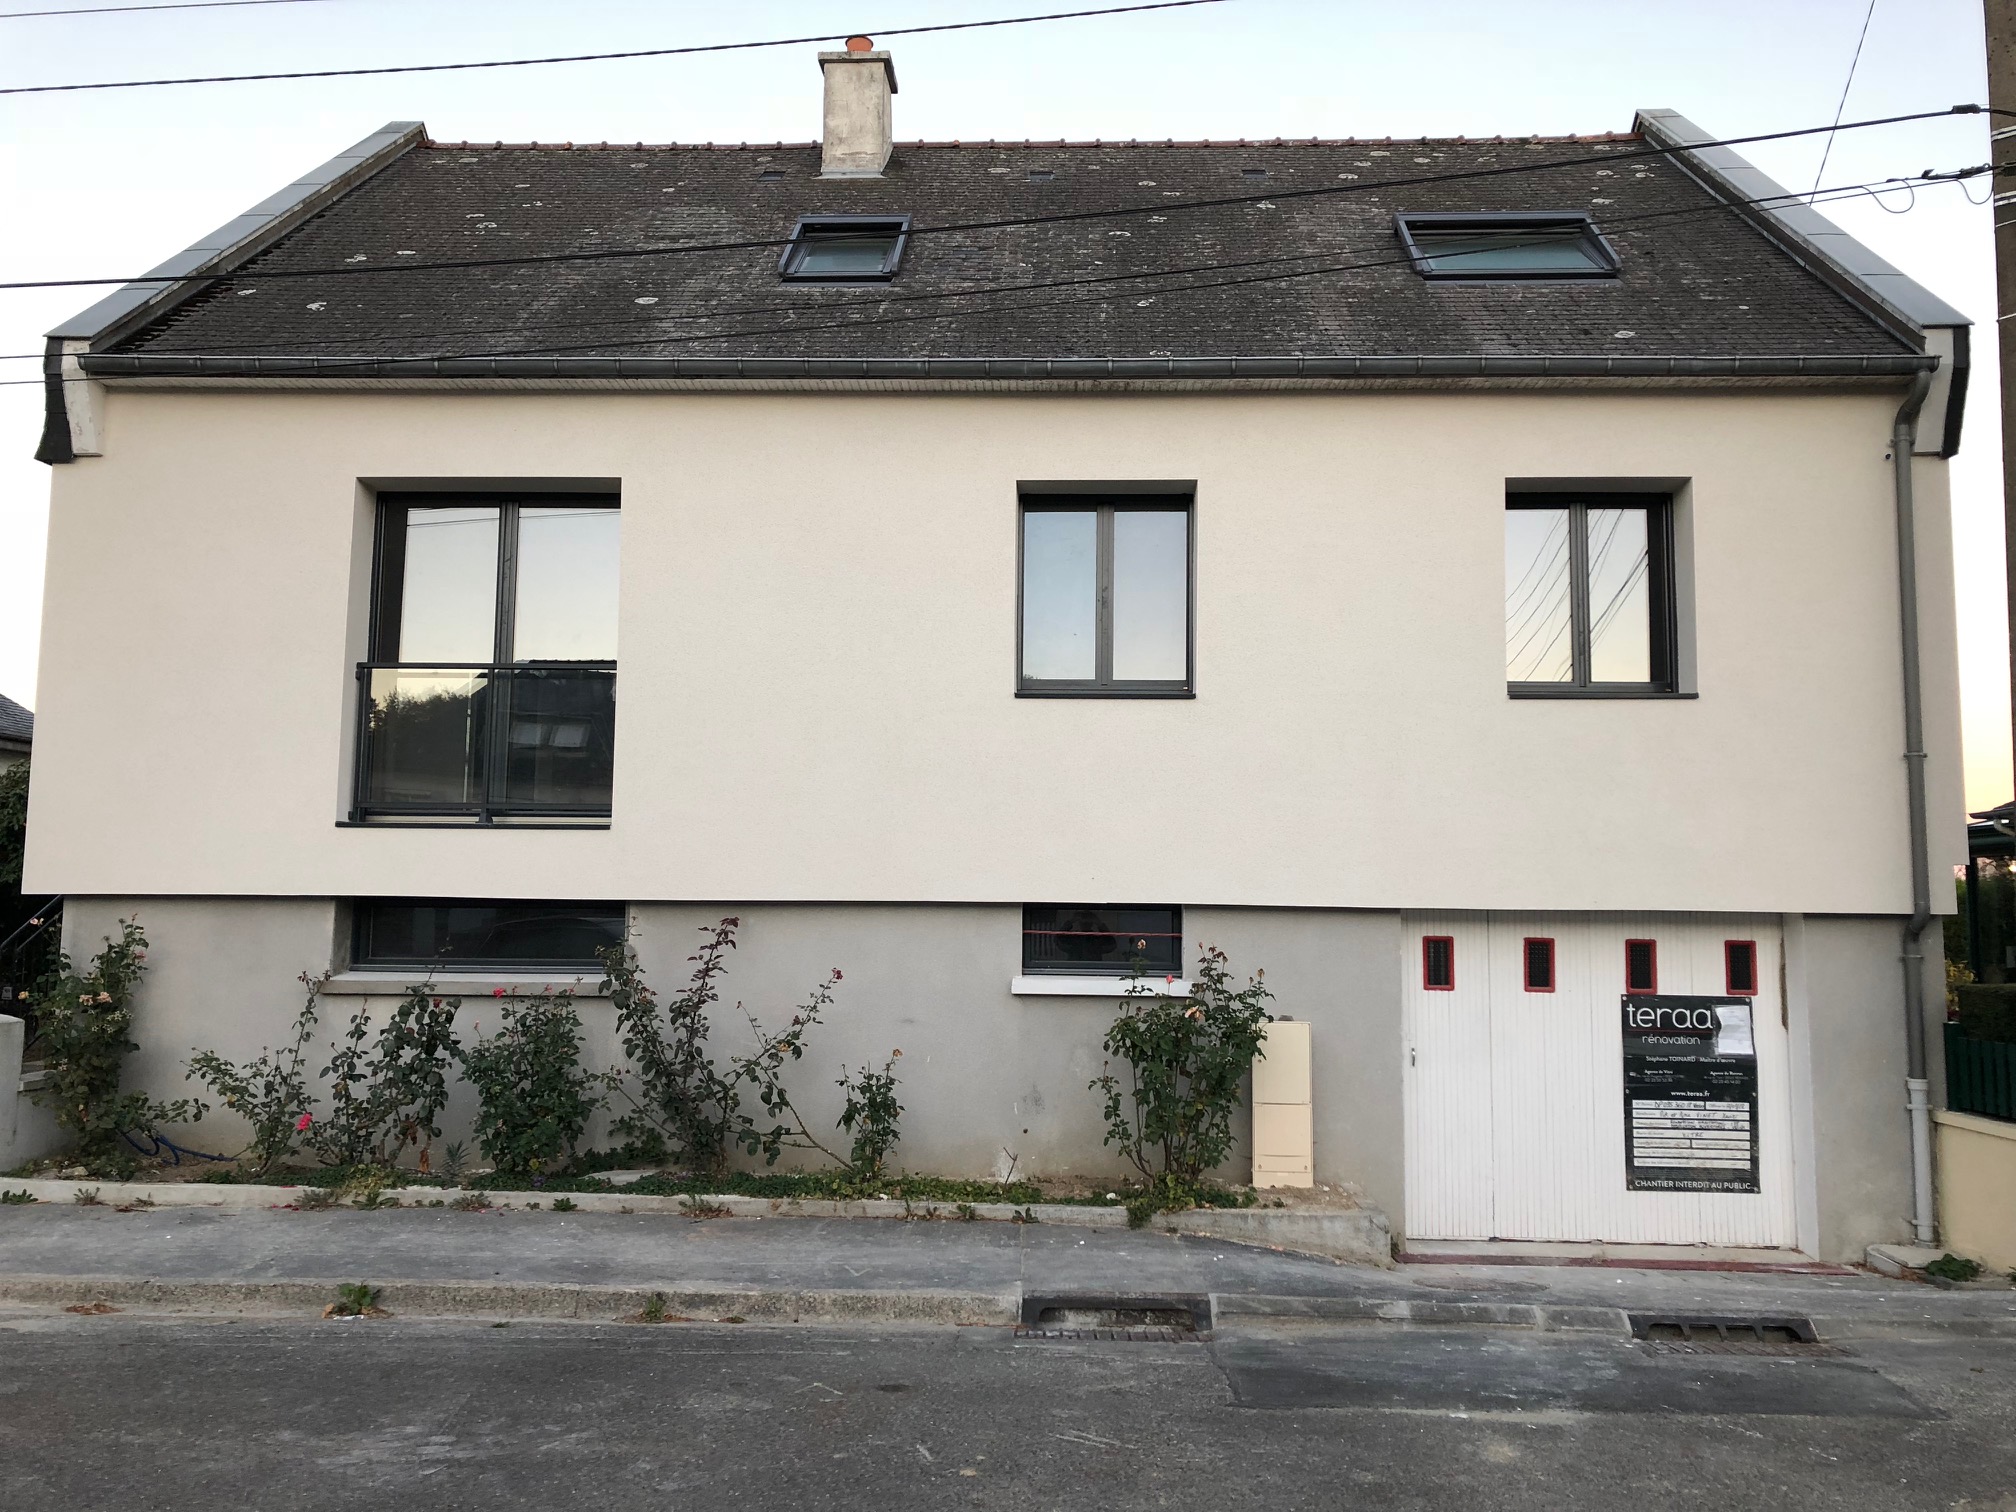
{"x":485,"y":742}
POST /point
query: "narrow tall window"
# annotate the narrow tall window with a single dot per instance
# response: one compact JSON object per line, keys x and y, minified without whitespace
{"x":1438,"y":963}
{"x":1539,"y":960}
{"x":491,"y":688}
{"x":1105,"y":600}
{"x":1641,"y":966}
{"x":1588,"y":594}
{"x":1739,"y":967}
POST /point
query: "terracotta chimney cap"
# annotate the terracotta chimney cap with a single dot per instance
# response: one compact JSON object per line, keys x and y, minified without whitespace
{"x":860,"y":44}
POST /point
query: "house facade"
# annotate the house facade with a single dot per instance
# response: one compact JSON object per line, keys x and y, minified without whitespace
{"x":1459,"y":578}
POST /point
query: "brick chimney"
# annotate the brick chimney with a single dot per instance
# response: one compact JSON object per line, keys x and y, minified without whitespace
{"x":859,"y":82}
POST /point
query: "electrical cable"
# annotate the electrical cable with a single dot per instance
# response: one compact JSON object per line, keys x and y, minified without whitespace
{"x":1002,"y":223}
{"x":647,"y":52}
{"x":1847,"y":84}
{"x":108,"y":10}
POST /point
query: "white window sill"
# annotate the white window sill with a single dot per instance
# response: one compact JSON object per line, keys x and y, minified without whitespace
{"x":462,"y":984}
{"x":1096,"y":986}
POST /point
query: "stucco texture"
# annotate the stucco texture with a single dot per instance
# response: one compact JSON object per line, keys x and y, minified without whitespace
{"x":817,"y":655}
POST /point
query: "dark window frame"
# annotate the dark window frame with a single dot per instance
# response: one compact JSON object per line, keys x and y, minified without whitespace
{"x":362,"y":959}
{"x":1526,"y":962}
{"x":1428,"y":982}
{"x":1096,"y":968}
{"x":1102,"y":684}
{"x":1662,"y":591}
{"x":1729,"y":949}
{"x":813,"y":228}
{"x":388,"y":571}
{"x":1652,"y":962}
{"x":1407,"y":223}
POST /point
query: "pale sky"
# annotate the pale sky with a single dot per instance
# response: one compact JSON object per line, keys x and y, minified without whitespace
{"x":109,"y":183}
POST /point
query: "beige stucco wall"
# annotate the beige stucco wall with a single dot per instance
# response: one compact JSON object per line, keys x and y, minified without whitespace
{"x":817,"y":655}
{"x":1977,"y":1188}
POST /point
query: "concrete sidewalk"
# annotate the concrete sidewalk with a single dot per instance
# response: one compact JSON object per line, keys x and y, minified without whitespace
{"x":437,"y":1262}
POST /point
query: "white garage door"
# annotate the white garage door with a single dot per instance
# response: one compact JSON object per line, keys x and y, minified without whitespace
{"x":1515,"y":1097}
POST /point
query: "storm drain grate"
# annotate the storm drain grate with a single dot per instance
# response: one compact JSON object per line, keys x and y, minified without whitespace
{"x":1117,"y":1319}
{"x":1710,"y":1333}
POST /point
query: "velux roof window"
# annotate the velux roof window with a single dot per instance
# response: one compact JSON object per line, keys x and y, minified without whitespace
{"x":1501,"y":244}
{"x":844,"y":248}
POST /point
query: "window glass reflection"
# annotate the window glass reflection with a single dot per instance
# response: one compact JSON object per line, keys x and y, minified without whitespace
{"x":448,"y":602}
{"x":1620,"y":596}
{"x":1539,"y":645}
{"x":566,"y":605}
{"x":1151,"y":595}
{"x":1060,"y":593}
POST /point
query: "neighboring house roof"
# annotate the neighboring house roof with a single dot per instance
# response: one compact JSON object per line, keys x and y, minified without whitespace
{"x":1291,"y":279}
{"x":17,"y":726}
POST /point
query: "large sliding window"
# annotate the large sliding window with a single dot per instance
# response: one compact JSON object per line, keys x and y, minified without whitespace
{"x":1589,"y":608}
{"x":491,"y":689}
{"x":1105,"y":596}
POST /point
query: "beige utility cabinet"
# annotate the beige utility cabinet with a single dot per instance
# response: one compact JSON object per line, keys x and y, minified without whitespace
{"x":1284,"y":1129}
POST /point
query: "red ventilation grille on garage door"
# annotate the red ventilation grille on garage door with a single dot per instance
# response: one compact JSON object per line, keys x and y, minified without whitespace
{"x":1641,"y":966}
{"x":1539,"y":956}
{"x":1739,"y":963}
{"x":1438,"y":963}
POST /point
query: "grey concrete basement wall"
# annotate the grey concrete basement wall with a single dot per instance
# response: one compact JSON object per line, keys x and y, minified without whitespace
{"x":991,"y":1082}
{"x":1853,"y":1006}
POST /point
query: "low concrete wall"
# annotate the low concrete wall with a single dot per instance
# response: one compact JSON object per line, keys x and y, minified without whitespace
{"x":1977,"y":1188}
{"x":27,"y":1131}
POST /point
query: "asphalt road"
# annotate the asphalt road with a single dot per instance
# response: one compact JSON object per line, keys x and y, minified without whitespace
{"x":129,"y":1413}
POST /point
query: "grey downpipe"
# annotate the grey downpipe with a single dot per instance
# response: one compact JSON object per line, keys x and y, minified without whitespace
{"x":1903,"y":437}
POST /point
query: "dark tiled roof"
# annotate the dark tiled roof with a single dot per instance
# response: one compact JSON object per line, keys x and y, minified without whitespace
{"x":1696,"y":279}
{"x":16,"y":723}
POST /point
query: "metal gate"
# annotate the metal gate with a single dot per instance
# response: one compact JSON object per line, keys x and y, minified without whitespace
{"x":1514,"y":1096}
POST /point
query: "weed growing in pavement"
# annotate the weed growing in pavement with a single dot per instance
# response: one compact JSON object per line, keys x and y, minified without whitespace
{"x":315,"y":1199}
{"x":355,"y":1299}
{"x":699,"y":1207}
{"x":1954,"y":1268}
{"x":470,"y":1202}
{"x":1187,"y":1059}
{"x":18,"y":1199}
{"x":653,"y":1310}
{"x":1024,"y":1215}
{"x":271,"y":1092}
{"x":565,"y":1205}
{"x":967,"y":1212}
{"x":87,"y":1197}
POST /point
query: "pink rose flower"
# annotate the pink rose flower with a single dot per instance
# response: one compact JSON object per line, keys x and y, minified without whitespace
{"x":301,"y":1123}
{"x":496,"y":992}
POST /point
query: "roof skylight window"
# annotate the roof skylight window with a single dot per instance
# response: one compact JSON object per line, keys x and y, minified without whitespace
{"x":1506,"y":244}
{"x":844,"y":249}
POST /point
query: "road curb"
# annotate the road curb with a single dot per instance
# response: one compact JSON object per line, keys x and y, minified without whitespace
{"x":484,"y":1299}
{"x":1231,"y":1307}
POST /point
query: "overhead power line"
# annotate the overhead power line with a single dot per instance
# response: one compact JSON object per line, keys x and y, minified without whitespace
{"x":601,"y":348}
{"x":108,"y":10}
{"x":1154,"y":207}
{"x":646,"y":52}
{"x":1846,"y":85}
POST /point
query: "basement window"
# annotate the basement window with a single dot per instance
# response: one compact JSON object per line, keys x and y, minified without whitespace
{"x":466,"y":933}
{"x":1097,"y":939}
{"x":1502,"y":245}
{"x":844,"y":249}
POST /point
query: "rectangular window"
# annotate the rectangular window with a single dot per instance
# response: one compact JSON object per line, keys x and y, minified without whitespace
{"x":1641,"y":966}
{"x":1539,"y":962}
{"x":844,"y":249}
{"x":491,"y":689}
{"x":1588,"y":595}
{"x":1739,"y":967}
{"x":1438,"y":963}
{"x":1506,"y":245}
{"x":463,"y":933}
{"x":1105,"y":596}
{"x":1097,"y":939}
